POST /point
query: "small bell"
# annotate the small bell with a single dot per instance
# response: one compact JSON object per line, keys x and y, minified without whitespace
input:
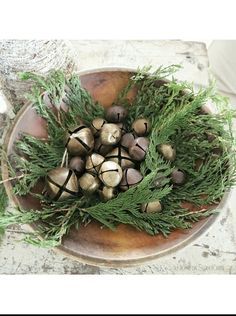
{"x":130,"y":178}
{"x":121,"y":157}
{"x":141,"y":127}
{"x":100,"y":148}
{"x":110,"y":134}
{"x":93,"y":163}
{"x":89,"y":183}
{"x":178,"y":177}
{"x":126,"y":140}
{"x":110,"y":173}
{"x":108,"y":193}
{"x":61,"y":183}
{"x":122,"y":127}
{"x":116,"y":114}
{"x":167,"y":151}
{"x":77,"y":164}
{"x":81,"y":141}
{"x":151,"y":207}
{"x":97,"y":124}
{"x":139,"y":148}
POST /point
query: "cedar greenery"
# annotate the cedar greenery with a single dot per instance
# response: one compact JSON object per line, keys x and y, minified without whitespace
{"x":175,"y":112}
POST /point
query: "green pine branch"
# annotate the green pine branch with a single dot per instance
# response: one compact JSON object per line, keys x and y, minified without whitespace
{"x":173,"y":109}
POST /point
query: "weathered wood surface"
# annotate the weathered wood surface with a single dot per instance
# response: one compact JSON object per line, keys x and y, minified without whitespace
{"x":214,"y":252}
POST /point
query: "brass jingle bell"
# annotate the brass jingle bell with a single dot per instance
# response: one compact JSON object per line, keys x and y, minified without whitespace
{"x":126,"y":140}
{"x":122,"y":128}
{"x":110,"y":173}
{"x":167,"y":151}
{"x":110,"y":134}
{"x":141,"y":126}
{"x":80,"y":141}
{"x":108,"y":193}
{"x":89,"y":183}
{"x":100,"y":148}
{"x":151,"y":207}
{"x":61,"y":183}
{"x":97,"y":124}
{"x":121,"y":157}
{"x":139,"y":148}
{"x":77,"y":164}
{"x":93,"y":163}
{"x":178,"y":176}
{"x":130,"y":178}
{"x":116,"y":114}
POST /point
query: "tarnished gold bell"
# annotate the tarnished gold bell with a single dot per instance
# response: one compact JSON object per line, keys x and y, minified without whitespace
{"x":80,"y":141}
{"x":93,"y":163}
{"x":141,"y":126}
{"x":130,"y":178}
{"x":61,"y":183}
{"x":110,"y":134}
{"x":110,"y":173}
{"x":178,"y":176}
{"x":122,"y":128}
{"x":139,"y":148}
{"x":89,"y":183}
{"x":121,"y":157}
{"x":97,"y":124}
{"x":77,"y":164}
{"x":151,"y":207}
{"x":126,"y":140}
{"x":167,"y":151}
{"x":116,"y":114}
{"x":100,"y":148}
{"x":108,"y":193}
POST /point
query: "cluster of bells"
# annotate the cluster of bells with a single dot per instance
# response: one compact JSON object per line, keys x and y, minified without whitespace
{"x":105,"y":158}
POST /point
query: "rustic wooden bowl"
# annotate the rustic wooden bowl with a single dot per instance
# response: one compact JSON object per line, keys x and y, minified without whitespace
{"x":93,"y":245}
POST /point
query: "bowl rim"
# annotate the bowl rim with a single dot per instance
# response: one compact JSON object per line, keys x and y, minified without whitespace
{"x":96,"y":261}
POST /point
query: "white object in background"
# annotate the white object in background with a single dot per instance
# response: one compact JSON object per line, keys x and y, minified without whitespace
{"x":5,"y":106}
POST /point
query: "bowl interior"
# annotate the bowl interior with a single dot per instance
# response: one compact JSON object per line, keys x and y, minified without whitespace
{"x":126,"y":246}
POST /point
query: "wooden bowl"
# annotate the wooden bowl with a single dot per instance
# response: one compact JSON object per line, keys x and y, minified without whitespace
{"x":93,"y":245}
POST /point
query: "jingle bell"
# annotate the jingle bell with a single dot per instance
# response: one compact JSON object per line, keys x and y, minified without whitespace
{"x":138,"y":148}
{"x":108,"y":193}
{"x":116,"y":114}
{"x":110,"y":173}
{"x":110,"y":134}
{"x":77,"y":164}
{"x":130,"y":178}
{"x":121,"y":157}
{"x":97,"y":124}
{"x":100,"y":148}
{"x":151,"y":207}
{"x":141,"y":127}
{"x":89,"y":183}
{"x":167,"y":151}
{"x":93,"y":163}
{"x":80,"y":141}
{"x":61,"y":183}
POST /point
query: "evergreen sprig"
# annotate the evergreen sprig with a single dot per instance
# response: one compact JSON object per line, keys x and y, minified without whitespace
{"x":175,"y":112}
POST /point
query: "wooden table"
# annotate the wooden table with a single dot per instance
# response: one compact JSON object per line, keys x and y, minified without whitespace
{"x":214,"y":252}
